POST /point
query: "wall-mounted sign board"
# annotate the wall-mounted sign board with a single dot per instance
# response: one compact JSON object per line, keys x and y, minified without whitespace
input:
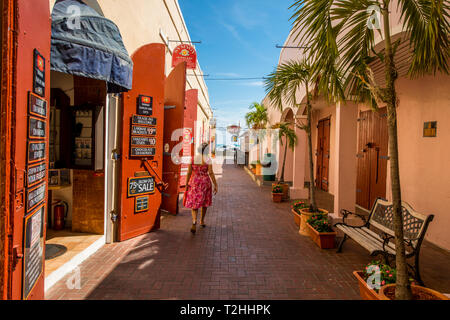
{"x":143,"y":120}
{"x":138,"y":186}
{"x":143,"y":141}
{"x":142,"y":152}
{"x":33,"y":249}
{"x":145,"y":105}
{"x":141,"y":204}
{"x":185,"y":53}
{"x":35,"y":196}
{"x":143,"y":131}
{"x":36,"y":173}
{"x":36,"y":151}
{"x":37,"y":106}
{"x":36,"y":128}
{"x":39,"y":74}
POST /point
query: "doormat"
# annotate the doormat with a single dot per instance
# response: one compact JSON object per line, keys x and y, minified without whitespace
{"x":54,"y":250}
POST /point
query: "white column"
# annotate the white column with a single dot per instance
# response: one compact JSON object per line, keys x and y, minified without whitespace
{"x":298,"y":190}
{"x":345,"y":157}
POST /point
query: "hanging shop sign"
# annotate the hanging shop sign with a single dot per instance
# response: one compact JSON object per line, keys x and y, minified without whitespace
{"x":36,"y":128}
{"x":141,"y":204}
{"x":143,"y":141}
{"x":36,"y":151}
{"x":138,"y":186}
{"x":39,"y":74}
{"x":37,"y":106}
{"x":35,"y":196}
{"x":145,"y":105}
{"x":143,"y":131}
{"x":142,"y":152}
{"x":143,"y":120}
{"x":185,"y":53}
{"x":36,"y":173}
{"x":33,"y":249}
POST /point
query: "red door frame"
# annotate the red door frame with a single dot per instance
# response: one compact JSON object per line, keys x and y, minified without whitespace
{"x":148,"y":80}
{"x":175,"y":99}
{"x":26,"y":26}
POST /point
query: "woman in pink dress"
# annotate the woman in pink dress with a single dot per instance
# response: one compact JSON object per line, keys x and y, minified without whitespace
{"x":199,"y":188}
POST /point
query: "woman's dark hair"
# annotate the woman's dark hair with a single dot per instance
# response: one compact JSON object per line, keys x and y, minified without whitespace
{"x":203,"y":147}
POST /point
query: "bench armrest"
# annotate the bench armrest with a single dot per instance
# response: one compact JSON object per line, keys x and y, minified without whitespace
{"x":346,"y":213}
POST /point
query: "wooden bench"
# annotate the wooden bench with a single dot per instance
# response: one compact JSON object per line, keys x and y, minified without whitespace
{"x":381,"y":240}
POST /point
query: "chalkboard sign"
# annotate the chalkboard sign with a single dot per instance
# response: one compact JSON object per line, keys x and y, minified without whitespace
{"x":145,"y":105}
{"x":143,"y":120}
{"x":141,"y":186}
{"x":36,"y":128}
{"x":141,"y":204}
{"x":39,"y":74}
{"x":36,"y":174}
{"x":35,"y":196}
{"x":33,"y":249}
{"x":36,"y":151}
{"x":143,"y":131}
{"x":142,"y":152}
{"x":37,"y":106}
{"x":143,"y":141}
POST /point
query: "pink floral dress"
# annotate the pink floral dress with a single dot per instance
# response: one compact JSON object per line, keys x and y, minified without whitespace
{"x":199,"y":194}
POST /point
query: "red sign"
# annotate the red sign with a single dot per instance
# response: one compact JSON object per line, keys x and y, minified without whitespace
{"x":186,"y":53}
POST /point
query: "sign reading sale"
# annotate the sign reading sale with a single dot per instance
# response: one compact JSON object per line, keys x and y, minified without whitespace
{"x":186,"y":53}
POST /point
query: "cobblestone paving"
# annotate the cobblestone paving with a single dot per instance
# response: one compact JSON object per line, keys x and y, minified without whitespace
{"x":250,"y":249}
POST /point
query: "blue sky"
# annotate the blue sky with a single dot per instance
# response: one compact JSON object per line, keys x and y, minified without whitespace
{"x":238,"y":40}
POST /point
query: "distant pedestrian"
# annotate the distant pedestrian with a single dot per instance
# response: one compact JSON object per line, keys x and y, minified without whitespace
{"x":198,"y":186}
{"x":235,"y":156}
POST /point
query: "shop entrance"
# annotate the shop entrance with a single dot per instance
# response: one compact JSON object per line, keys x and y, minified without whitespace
{"x":372,"y":157}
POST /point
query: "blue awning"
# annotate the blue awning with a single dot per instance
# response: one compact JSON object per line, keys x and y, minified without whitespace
{"x":86,"y":44}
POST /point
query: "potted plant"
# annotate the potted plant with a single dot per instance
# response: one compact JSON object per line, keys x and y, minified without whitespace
{"x":296,"y":207}
{"x":277,"y":193}
{"x":321,"y":232}
{"x":282,"y":86}
{"x":258,"y":168}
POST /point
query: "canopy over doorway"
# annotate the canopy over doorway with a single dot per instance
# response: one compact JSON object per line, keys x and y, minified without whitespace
{"x":86,"y":44}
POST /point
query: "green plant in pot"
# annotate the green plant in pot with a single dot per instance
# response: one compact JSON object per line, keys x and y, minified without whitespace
{"x":295,"y":208}
{"x":277,"y":193}
{"x":321,"y":232}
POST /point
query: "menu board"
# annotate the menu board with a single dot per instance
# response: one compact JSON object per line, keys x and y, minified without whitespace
{"x":143,"y":131}
{"x":37,"y":106}
{"x":143,"y":120}
{"x":33,"y":249}
{"x":138,"y":186}
{"x":36,"y":151}
{"x":39,"y":74}
{"x":142,"y":152}
{"x":145,"y":105}
{"x":35,"y":196}
{"x":36,"y":173}
{"x":36,"y":128}
{"x":143,"y":141}
{"x":141,"y":204}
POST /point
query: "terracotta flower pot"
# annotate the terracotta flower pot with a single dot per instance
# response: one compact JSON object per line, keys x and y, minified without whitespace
{"x":277,"y":197}
{"x":325,"y":240}
{"x":387,"y":292}
{"x":305,"y":215}
{"x":365,"y":291}
{"x":297,"y":217}
{"x":258,"y":169}
{"x":285,"y":188}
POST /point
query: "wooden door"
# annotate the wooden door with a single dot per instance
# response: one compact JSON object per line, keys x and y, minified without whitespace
{"x":139,"y":211}
{"x":26,"y":33}
{"x":174,"y":102}
{"x":372,"y":157}
{"x":323,"y":154}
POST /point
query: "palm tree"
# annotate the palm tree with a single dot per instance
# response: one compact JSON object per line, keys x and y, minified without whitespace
{"x":257,"y":120}
{"x":285,"y":131}
{"x":282,"y":85}
{"x":340,"y":35}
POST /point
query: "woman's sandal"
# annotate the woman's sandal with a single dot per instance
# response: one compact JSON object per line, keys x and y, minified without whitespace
{"x":203,"y":225}
{"x":194,"y":228}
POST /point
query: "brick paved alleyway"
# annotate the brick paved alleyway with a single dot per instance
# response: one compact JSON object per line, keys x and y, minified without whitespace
{"x":250,"y":249}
